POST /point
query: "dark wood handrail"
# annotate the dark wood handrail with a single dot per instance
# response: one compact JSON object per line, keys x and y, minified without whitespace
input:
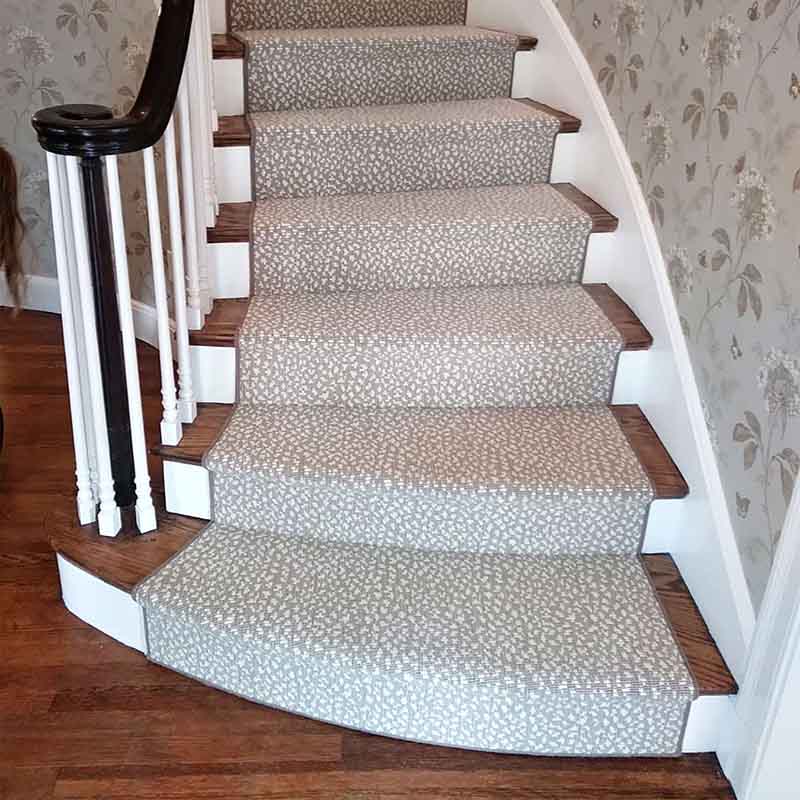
{"x":90,"y":131}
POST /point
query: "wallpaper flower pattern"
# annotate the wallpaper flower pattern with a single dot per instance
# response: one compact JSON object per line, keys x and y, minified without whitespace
{"x":73,"y":51}
{"x":706,"y":95}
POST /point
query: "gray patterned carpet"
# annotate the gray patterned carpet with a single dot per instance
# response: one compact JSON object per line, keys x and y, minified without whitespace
{"x":427,"y":521}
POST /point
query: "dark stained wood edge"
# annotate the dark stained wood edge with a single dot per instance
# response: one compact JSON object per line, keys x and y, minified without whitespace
{"x":602,"y":221}
{"x":704,"y":660}
{"x":129,"y":558}
{"x":633,"y":333}
{"x":199,"y":436}
{"x":569,"y":124}
{"x":525,"y":43}
{"x":222,"y":324}
{"x":233,"y":224}
{"x":233,"y":132}
{"x":226,"y":46}
{"x":667,"y":481}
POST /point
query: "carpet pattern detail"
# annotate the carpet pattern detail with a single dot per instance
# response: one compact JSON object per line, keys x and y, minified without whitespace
{"x":246,"y":15}
{"x":495,"y":236}
{"x":332,"y":68}
{"x":427,"y":522}
{"x":524,"y":481}
{"x":504,"y":653}
{"x":401,"y":148}
{"x":500,"y":346}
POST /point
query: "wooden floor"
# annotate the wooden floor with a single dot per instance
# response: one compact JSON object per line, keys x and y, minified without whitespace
{"x":83,"y":717}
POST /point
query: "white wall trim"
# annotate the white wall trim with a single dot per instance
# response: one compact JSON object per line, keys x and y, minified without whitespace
{"x":631,"y":261}
{"x":41,"y":294}
{"x":758,"y":750}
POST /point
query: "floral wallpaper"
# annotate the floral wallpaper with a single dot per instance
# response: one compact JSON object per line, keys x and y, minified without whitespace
{"x":706,"y":95}
{"x":87,"y":51}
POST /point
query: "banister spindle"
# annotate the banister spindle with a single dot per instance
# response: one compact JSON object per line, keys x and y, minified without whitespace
{"x":87,"y":508}
{"x":171,"y":428}
{"x":186,"y":403}
{"x":109,"y":518}
{"x":145,"y":511}
{"x":194,"y":304}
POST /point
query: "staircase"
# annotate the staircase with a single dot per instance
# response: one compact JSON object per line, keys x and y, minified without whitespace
{"x":427,"y":517}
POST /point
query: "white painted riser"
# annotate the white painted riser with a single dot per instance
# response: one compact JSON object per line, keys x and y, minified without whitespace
{"x":115,"y":613}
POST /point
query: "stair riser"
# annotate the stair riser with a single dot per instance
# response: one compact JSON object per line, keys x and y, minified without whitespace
{"x":335,"y":259}
{"x":427,"y":519}
{"x":247,"y":15}
{"x":285,"y":76}
{"x":298,"y":163}
{"x":428,"y":376}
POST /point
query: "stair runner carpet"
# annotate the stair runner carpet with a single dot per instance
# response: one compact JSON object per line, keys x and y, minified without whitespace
{"x":426,"y":520}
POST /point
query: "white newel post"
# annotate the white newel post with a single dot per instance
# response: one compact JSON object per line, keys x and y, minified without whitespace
{"x":109,"y":519}
{"x":86,"y":501}
{"x":171,"y":428}
{"x":145,"y":511}
{"x":187,"y":405}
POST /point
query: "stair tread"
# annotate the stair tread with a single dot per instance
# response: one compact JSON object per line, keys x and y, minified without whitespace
{"x":222,"y":325}
{"x":529,"y":315}
{"x":502,"y":451}
{"x":128,"y":559}
{"x":354,"y":37}
{"x":491,"y":112}
{"x":312,"y":626}
{"x":248,"y":15}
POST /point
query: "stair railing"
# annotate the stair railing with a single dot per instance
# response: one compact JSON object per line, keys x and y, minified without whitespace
{"x":83,"y":143}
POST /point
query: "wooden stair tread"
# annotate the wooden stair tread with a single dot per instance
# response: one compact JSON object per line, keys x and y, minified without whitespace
{"x":707,"y":666}
{"x":128,"y":559}
{"x":634,"y":335}
{"x":233,"y":223}
{"x":664,"y":475}
{"x":199,"y":436}
{"x":569,"y":124}
{"x":222,"y":324}
{"x":603,"y":221}
{"x":227,"y":46}
{"x":233,"y":132}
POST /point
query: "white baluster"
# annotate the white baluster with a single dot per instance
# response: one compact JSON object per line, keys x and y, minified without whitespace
{"x":87,"y":508}
{"x":195,"y":313}
{"x":209,"y":63}
{"x":145,"y":511}
{"x":200,"y":134}
{"x":187,"y":405}
{"x":171,"y":428}
{"x":77,"y":314}
{"x":109,"y":519}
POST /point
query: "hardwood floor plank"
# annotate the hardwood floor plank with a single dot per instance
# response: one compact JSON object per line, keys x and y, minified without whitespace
{"x":666,"y":478}
{"x":634,"y":334}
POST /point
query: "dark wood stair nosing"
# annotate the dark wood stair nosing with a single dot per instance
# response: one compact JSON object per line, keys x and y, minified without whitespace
{"x":222,"y":324}
{"x":569,"y":124}
{"x":233,"y":223}
{"x":634,"y":334}
{"x":233,"y":132}
{"x":227,"y":46}
{"x":603,"y":221}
